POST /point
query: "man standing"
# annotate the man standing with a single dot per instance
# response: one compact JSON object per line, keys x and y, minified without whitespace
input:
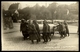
{"x":45,"y":30}
{"x":23,"y":28}
{"x":61,"y":29}
{"x":33,"y":32}
{"x":49,"y":33}
{"x":37,"y":28}
{"x":66,"y":26}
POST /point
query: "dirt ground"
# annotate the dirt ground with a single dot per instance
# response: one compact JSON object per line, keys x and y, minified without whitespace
{"x":12,"y":40}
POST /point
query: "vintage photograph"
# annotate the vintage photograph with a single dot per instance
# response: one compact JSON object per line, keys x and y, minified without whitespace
{"x":39,"y":25}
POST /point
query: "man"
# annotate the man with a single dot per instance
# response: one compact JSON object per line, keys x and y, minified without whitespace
{"x":66,"y":26}
{"x":64,"y":30}
{"x":33,"y":32}
{"x":49,"y":33}
{"x":53,"y":31}
{"x":37,"y":28}
{"x":61,"y":30}
{"x":24,"y":28}
{"x":45,"y":30}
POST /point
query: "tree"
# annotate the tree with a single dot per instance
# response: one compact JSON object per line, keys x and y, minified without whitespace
{"x":37,"y":11}
{"x":12,"y":8}
{"x":61,"y":12}
{"x":25,"y":13}
{"x":52,"y":8}
{"x":73,"y":10}
{"x":7,"y":21}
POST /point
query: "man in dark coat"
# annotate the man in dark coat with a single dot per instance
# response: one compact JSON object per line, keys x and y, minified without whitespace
{"x":49,"y":33}
{"x":53,"y":31}
{"x":37,"y":28}
{"x":33,"y":32}
{"x":61,"y":29}
{"x":45,"y":31}
{"x":64,"y":30}
{"x":66,"y":26}
{"x":24,"y":28}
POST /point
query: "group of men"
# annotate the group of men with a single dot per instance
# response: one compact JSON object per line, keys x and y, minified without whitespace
{"x":31,"y":29}
{"x":63,"y":29}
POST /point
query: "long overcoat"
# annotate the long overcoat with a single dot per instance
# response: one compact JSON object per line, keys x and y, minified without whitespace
{"x":66,"y":26}
{"x":24,"y":28}
{"x":45,"y":30}
{"x":32,"y":32}
{"x":37,"y":29}
{"x":61,"y":28}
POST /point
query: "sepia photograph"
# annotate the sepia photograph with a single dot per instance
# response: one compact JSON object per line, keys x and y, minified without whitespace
{"x":39,"y":26}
